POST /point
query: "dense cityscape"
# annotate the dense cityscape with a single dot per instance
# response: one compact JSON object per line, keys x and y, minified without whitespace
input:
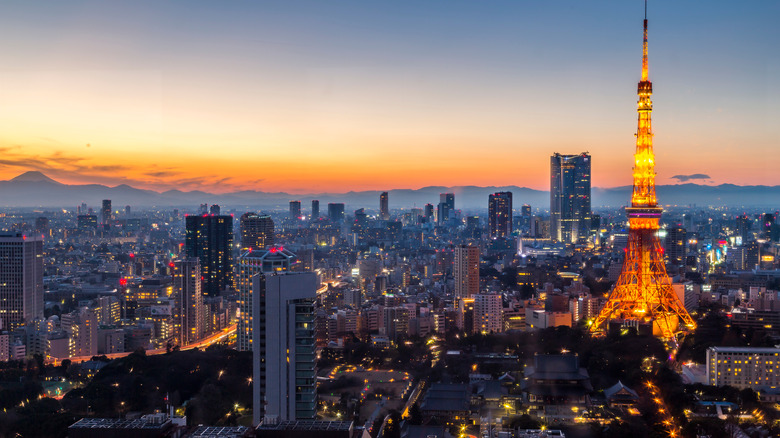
{"x":384,"y":320}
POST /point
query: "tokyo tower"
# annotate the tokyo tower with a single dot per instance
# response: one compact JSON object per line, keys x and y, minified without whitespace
{"x":643,"y":292}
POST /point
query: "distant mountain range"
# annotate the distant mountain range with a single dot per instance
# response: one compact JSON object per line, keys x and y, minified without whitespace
{"x":34,"y":189}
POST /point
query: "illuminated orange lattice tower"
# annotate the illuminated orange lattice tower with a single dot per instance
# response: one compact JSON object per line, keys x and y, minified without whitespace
{"x":643,"y":292}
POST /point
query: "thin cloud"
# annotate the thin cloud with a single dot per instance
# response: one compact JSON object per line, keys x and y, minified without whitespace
{"x":694,"y":176}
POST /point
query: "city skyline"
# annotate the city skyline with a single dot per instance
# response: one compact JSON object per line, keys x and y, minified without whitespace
{"x":285,"y":98}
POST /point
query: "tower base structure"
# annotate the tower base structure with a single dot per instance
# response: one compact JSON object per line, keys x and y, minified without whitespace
{"x":643,"y":293}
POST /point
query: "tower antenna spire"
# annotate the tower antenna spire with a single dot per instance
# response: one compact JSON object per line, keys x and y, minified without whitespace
{"x":644,"y":48}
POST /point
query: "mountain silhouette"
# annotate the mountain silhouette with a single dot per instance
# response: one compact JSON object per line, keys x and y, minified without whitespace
{"x":34,"y":189}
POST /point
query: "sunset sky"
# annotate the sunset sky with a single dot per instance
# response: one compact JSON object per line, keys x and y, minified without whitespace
{"x":312,"y":96}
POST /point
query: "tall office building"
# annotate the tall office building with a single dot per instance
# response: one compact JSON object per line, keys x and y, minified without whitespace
{"x":570,"y":213}
{"x":336,"y":212}
{"x":187,"y":289}
{"x":526,"y":214}
{"x":384,"y":207}
{"x":315,"y":209}
{"x":105,"y":212}
{"x":743,"y":227}
{"x":295,"y":209}
{"x":428,"y":212}
{"x":488,"y":315}
{"x":21,"y":279}
{"x":500,"y":214}
{"x":283,"y":359}
{"x":210,"y":238}
{"x":215,"y":209}
{"x":251,"y":263}
{"x":465,"y":269}
{"x":767,"y":223}
{"x":675,"y":246}
{"x":257,"y":231}
{"x":446,"y":207}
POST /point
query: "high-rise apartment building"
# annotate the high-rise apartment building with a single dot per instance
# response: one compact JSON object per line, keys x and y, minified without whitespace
{"x":570,"y":212}
{"x":384,"y":207}
{"x":488,"y":315}
{"x":446,"y":207}
{"x":315,"y":209}
{"x":465,"y":269}
{"x":210,"y":239}
{"x":283,"y":359}
{"x":187,"y":289}
{"x":336,"y":212}
{"x":500,"y":214}
{"x":251,"y":263}
{"x":105,"y":212}
{"x":21,"y":279}
{"x":295,"y":209}
{"x":257,"y":231}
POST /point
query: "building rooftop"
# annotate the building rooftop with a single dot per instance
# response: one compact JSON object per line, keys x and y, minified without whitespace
{"x":745,"y":349}
{"x":117,"y":423}
{"x":220,"y":432}
{"x":311,"y":425}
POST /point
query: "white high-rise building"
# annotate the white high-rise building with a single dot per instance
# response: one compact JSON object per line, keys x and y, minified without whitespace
{"x":283,"y":354}
{"x":21,"y":279}
{"x":251,"y":263}
{"x":488,"y":313}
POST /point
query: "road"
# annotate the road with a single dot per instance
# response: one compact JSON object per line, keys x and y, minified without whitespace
{"x":205,"y":342}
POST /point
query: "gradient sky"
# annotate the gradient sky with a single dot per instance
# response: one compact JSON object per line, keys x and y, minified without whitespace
{"x":309,"y":96}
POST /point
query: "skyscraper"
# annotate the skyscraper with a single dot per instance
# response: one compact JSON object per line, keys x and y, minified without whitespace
{"x":428,"y":212}
{"x":283,"y":360}
{"x":21,"y":279}
{"x":465,"y":269}
{"x":105,"y":212}
{"x":336,"y":212}
{"x":446,"y":207}
{"x":295,"y":209}
{"x":384,"y":208}
{"x":643,"y":293}
{"x":743,"y":228}
{"x":210,"y":238}
{"x":315,"y":209}
{"x":500,"y":214}
{"x":570,"y":197}
{"x":187,"y":288}
{"x":675,"y":248}
{"x":257,"y":231}
{"x":251,"y":263}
